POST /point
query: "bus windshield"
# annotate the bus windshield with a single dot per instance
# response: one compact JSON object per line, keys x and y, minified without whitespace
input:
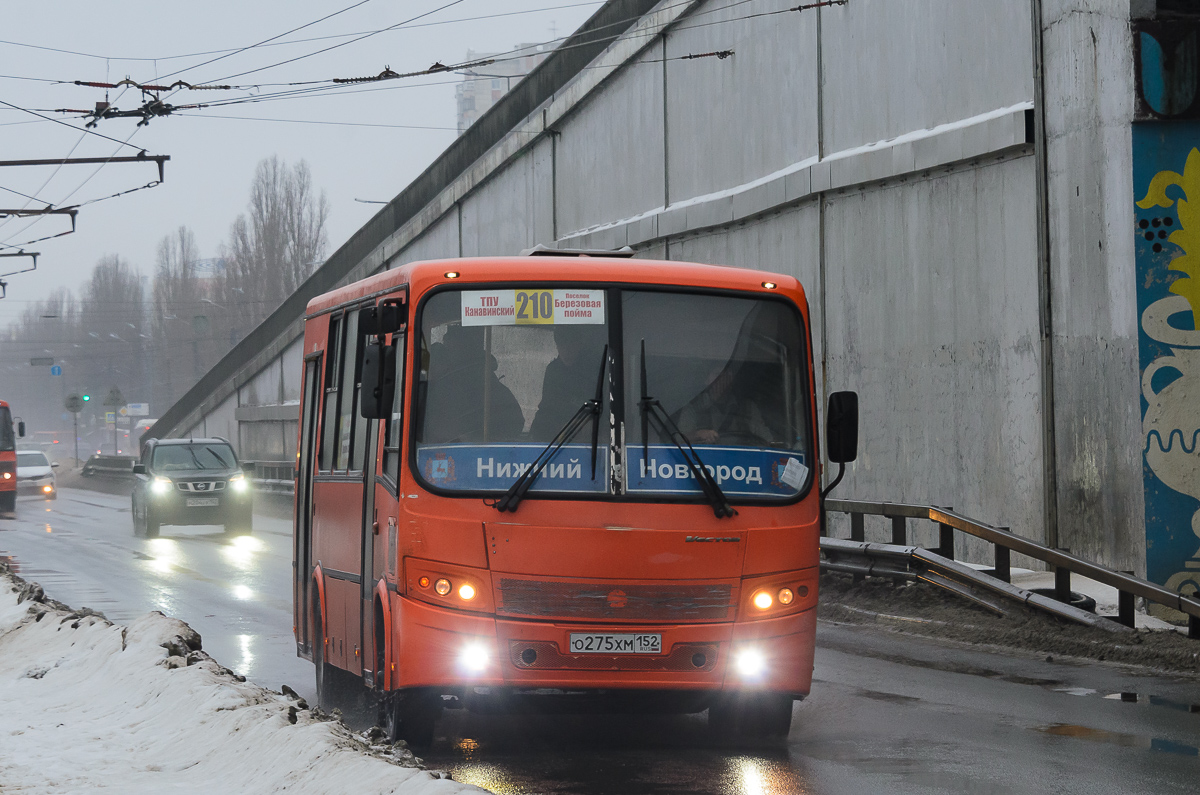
{"x":502,"y":371}
{"x":7,"y":440}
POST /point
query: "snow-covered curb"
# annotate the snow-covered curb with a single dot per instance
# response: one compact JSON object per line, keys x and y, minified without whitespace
{"x":88,"y":705}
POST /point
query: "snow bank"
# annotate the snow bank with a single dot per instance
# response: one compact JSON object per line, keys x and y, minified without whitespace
{"x":88,"y":705}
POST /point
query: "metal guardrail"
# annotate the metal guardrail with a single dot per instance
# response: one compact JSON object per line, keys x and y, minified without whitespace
{"x":109,"y":465}
{"x":277,"y":477}
{"x":1004,"y":543}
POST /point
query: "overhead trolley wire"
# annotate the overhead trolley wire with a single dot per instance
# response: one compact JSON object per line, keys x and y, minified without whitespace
{"x":272,"y":43}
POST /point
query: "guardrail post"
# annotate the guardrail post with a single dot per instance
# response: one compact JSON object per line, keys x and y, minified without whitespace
{"x":1003,"y":569}
{"x":1125,"y":607}
{"x":857,"y":533}
{"x":1062,"y":582}
{"x":899,"y":531}
{"x":946,"y":541}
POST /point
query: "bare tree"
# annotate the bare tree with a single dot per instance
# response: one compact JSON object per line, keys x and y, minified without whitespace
{"x":277,"y":243}
{"x":176,"y":365}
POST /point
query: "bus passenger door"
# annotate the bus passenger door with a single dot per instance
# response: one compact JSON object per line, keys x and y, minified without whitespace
{"x":302,"y":511}
{"x":369,"y":528}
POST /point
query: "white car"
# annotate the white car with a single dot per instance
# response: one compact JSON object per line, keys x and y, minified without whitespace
{"x":35,"y":474}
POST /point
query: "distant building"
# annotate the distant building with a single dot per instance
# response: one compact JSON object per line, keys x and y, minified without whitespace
{"x":486,"y":84}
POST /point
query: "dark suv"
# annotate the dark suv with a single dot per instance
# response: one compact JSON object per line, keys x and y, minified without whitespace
{"x":190,"y":481}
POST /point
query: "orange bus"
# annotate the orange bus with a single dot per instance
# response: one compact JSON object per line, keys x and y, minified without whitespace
{"x":8,"y":459}
{"x":557,"y":479}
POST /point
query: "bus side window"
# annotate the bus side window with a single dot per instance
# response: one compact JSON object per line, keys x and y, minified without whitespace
{"x":329,"y":409}
{"x":395,"y":424}
{"x":349,"y":375}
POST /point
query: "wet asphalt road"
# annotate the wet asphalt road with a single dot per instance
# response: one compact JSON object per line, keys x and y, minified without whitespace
{"x":887,"y":713}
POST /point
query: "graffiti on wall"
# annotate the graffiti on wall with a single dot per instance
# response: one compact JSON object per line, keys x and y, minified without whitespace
{"x":1166,"y":179}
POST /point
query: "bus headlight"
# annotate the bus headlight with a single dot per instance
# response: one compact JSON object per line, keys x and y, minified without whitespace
{"x":474,"y":657}
{"x":160,"y":485}
{"x":750,"y":663}
{"x":763,"y":600}
{"x":238,"y":483}
{"x":466,"y":592}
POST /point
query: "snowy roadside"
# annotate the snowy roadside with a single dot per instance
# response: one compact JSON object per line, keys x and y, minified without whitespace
{"x":88,"y":705}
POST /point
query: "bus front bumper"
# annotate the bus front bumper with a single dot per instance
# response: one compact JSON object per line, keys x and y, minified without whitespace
{"x":454,"y":650}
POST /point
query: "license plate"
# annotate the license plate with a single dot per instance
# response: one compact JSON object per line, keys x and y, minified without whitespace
{"x":203,"y":502}
{"x":615,"y":643}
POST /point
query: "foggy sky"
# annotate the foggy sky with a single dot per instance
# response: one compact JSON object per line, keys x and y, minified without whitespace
{"x":213,"y":159}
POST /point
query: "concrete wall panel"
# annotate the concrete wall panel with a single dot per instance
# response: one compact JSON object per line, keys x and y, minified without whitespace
{"x":891,"y":68}
{"x":440,"y":241}
{"x":293,"y":370}
{"x":610,"y":152}
{"x":513,"y":210}
{"x":768,"y":96}
{"x":932,"y":317}
{"x":263,"y":388}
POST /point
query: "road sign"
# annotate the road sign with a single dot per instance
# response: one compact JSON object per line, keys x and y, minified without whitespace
{"x":110,"y":417}
{"x":114,"y":399}
{"x":136,"y":410}
{"x":56,"y":370}
{"x":73,"y":404}
{"x":42,"y":361}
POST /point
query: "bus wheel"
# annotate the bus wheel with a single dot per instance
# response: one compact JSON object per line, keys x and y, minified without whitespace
{"x":8,"y":502}
{"x":411,"y":717}
{"x":325,"y":683}
{"x":751,"y":716}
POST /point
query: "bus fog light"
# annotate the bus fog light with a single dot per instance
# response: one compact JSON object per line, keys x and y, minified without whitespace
{"x":786,"y":596}
{"x":442,"y":587}
{"x":474,"y":657}
{"x":466,"y":592}
{"x":750,"y":663}
{"x":763,"y":600}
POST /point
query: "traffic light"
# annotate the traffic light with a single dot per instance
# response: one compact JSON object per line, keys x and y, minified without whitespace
{"x":86,"y":398}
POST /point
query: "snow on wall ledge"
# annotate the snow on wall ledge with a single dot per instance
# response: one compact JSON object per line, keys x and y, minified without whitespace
{"x":88,"y":705}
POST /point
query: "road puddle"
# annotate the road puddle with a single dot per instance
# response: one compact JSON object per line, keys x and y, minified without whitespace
{"x":1118,"y":738}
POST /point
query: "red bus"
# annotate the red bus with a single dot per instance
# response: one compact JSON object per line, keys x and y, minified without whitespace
{"x":8,"y":459}
{"x":561,"y":478}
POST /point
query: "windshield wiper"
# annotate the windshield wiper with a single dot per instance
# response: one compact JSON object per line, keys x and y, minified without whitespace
{"x":652,"y":408}
{"x":192,"y":453}
{"x":217,"y":456}
{"x":517,"y":491}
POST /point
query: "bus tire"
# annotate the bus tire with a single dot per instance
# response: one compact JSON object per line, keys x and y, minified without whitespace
{"x":324,"y":673}
{"x":757,"y":716}
{"x":411,"y":717}
{"x":8,"y":502}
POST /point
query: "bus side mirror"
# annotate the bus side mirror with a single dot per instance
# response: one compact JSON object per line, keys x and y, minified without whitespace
{"x":379,"y":320}
{"x":21,"y":428}
{"x":841,"y":427}
{"x":378,"y":381}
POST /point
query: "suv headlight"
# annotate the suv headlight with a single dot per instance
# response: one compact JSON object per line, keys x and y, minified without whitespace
{"x":160,"y":485}
{"x":239,"y":483}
